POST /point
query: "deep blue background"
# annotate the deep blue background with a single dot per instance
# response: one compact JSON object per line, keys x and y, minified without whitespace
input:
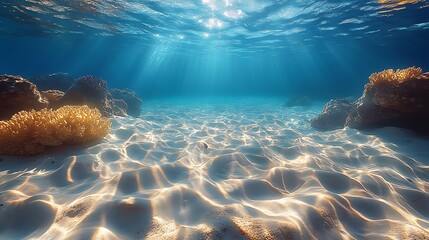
{"x":158,"y":69}
{"x":328,"y":58}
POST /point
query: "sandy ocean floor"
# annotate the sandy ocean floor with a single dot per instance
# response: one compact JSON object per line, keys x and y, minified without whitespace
{"x":222,"y":170}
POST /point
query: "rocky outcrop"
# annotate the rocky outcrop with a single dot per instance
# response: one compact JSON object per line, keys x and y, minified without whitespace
{"x":57,"y":81}
{"x":119,"y":107}
{"x":390,"y":99}
{"x":132,"y":102}
{"x":52,"y":96}
{"x":17,"y":94}
{"x":333,"y":116}
{"x":404,"y":104}
{"x":91,"y":91}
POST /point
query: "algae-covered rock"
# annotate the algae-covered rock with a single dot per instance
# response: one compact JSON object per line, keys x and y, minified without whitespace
{"x":392,"y":98}
{"x":404,"y":104}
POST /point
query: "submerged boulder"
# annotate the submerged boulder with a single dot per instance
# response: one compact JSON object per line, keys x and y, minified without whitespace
{"x":333,"y":116}
{"x":57,"y":81}
{"x":404,"y":104}
{"x":392,"y":98}
{"x":119,"y":107}
{"x":133,"y":103}
{"x":91,"y":91}
{"x":17,"y":94}
{"x":52,"y":96}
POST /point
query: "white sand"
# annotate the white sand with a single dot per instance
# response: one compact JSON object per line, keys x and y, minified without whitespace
{"x":265,"y":174}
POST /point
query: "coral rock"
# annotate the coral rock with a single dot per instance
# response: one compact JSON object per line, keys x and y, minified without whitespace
{"x":52,"y":96}
{"x":18,"y":94}
{"x":403,"y":103}
{"x":33,"y":132}
{"x":93,"y":92}
{"x":334,"y":115}
{"x":119,"y":107}
{"x":57,"y":81}
{"x":392,"y":98}
{"x":133,"y":103}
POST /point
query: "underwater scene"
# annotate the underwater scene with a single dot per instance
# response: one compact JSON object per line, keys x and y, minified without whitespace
{"x":214,"y":119}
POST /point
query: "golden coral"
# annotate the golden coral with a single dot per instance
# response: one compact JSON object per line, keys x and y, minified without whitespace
{"x":32,"y":132}
{"x":398,"y":76}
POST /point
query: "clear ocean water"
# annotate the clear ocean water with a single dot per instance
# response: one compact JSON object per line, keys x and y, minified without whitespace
{"x":215,"y":153}
{"x":209,"y":47}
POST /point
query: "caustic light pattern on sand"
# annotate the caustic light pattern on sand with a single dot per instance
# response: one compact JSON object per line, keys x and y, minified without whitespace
{"x":251,"y":170}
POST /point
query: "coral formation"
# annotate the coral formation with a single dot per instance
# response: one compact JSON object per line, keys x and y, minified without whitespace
{"x":33,"y":132}
{"x":391,"y":98}
{"x":404,"y":104}
{"x":17,"y":94}
{"x":398,"y":76}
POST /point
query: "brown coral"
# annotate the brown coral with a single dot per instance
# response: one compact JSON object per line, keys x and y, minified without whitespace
{"x":398,"y":76}
{"x":32,"y":132}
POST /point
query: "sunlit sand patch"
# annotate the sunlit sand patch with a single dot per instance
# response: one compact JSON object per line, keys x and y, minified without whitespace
{"x":251,"y":171}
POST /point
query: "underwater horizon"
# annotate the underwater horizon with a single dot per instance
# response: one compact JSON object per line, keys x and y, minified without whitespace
{"x":214,"y":119}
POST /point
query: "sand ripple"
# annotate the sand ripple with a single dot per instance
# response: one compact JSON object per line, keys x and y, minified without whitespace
{"x":250,"y":169}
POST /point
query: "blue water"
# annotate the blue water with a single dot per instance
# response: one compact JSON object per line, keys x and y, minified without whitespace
{"x":215,"y":154}
{"x":158,"y":48}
